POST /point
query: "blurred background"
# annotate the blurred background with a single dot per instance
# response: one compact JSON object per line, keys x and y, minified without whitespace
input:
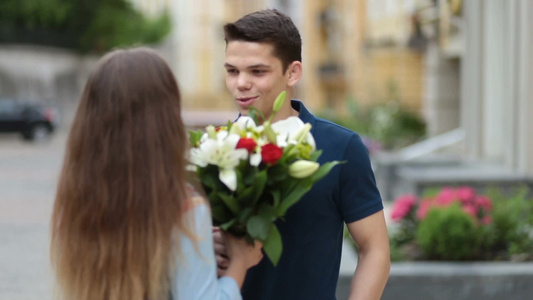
{"x":440,"y":90}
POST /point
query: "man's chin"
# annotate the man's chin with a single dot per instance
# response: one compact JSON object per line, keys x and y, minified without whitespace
{"x":243,"y":110}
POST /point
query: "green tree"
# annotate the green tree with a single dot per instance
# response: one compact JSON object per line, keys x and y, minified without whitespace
{"x":88,"y":26}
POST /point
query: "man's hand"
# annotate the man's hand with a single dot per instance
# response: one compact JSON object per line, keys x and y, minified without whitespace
{"x":221,"y":253}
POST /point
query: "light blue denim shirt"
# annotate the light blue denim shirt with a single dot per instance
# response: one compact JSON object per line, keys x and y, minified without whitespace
{"x":195,"y":276}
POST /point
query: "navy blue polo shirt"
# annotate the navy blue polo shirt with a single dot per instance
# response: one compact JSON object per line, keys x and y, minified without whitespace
{"x":312,"y":231}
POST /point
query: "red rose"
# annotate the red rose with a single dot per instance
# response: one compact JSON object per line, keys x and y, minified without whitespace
{"x":247,"y":143}
{"x":271,"y":153}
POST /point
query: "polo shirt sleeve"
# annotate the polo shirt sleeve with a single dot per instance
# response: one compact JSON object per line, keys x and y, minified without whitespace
{"x":358,"y":193}
{"x":195,"y":276}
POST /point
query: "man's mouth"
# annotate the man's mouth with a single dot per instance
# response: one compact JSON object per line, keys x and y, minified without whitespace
{"x":246,"y":101}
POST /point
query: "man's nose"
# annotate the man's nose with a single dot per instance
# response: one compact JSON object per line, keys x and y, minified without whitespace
{"x":243,"y":82}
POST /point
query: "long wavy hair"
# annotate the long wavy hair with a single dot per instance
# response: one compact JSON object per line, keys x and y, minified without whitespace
{"x":123,"y":187}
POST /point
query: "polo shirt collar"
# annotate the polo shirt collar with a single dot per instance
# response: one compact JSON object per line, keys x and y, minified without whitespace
{"x":305,"y":115}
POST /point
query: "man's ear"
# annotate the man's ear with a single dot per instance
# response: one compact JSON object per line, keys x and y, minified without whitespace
{"x":294,"y":72}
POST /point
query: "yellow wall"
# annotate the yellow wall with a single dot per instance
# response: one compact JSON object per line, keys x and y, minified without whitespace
{"x":380,"y":68}
{"x":367,"y":71}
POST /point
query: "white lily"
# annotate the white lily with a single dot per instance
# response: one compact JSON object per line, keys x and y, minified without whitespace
{"x":222,"y":153}
{"x":291,"y":130}
{"x":245,"y":122}
{"x":255,"y":159}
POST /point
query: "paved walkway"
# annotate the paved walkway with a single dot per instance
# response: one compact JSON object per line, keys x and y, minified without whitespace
{"x":28,"y":174}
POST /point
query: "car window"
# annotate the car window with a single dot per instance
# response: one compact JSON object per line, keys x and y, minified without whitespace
{"x":8,"y":108}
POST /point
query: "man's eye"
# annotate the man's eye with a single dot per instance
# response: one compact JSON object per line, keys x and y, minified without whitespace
{"x":258,"y":72}
{"x":231,"y":71}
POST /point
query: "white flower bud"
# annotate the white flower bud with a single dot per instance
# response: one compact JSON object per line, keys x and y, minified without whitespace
{"x":302,"y":134}
{"x":280,"y":100}
{"x":211,"y":132}
{"x":303,"y":168}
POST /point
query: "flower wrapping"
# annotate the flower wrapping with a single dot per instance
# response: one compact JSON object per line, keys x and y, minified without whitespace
{"x":253,"y":174}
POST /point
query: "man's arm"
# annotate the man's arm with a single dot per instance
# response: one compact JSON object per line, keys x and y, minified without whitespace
{"x":373,"y":266}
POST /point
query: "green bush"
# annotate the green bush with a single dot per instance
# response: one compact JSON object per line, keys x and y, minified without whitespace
{"x":457,"y":223}
{"x":510,"y":235}
{"x":388,"y":122}
{"x":448,"y":233}
{"x":97,"y":25}
{"x":395,"y":126}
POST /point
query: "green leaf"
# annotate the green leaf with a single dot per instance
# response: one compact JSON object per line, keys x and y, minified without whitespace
{"x":248,"y":172}
{"x":228,"y":126}
{"x":315,"y":155}
{"x":324,"y":170}
{"x":214,"y":198}
{"x":259,"y":226}
{"x":194,"y":137}
{"x":276,"y":196}
{"x":227,"y":225}
{"x":209,"y":177}
{"x":273,"y":245}
{"x":239,"y":177}
{"x":267,"y":211}
{"x":245,"y":195}
{"x":255,"y":113}
{"x":288,"y":185}
{"x":259,"y":185}
{"x":294,"y":196}
{"x":231,"y":203}
{"x":277,"y":173}
{"x":245,"y":214}
{"x":220,"y":214}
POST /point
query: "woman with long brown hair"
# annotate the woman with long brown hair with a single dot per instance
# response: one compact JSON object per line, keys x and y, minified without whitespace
{"x":125,"y":223}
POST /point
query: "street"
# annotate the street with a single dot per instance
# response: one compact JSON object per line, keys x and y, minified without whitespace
{"x":28,"y":176}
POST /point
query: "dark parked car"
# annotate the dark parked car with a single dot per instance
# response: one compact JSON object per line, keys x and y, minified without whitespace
{"x":34,"y":121}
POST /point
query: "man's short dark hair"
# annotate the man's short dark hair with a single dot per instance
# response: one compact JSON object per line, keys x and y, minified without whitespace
{"x":268,"y":26}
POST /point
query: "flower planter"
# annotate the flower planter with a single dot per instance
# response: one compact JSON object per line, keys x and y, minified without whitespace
{"x":448,"y":280}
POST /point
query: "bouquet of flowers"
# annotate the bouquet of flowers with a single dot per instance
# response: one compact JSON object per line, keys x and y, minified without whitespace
{"x":253,"y":174}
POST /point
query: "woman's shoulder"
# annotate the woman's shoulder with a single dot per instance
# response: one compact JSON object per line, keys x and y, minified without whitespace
{"x":194,"y":199}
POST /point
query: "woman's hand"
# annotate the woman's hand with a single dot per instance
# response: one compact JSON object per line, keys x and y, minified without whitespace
{"x":221,"y":254}
{"x":235,"y":255}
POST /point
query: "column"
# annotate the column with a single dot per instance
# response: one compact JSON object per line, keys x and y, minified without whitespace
{"x":525,"y":87}
{"x":471,"y":74}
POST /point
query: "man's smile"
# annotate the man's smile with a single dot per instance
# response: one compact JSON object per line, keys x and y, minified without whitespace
{"x":246,"y":101}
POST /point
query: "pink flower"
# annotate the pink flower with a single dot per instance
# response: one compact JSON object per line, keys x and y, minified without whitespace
{"x":446,"y":197}
{"x":470,"y":209}
{"x":486,"y":220}
{"x":423,"y":208}
{"x":465,"y":194}
{"x":402,"y":206}
{"x":484,"y":202}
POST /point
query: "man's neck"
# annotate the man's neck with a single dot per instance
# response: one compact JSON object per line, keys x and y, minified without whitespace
{"x":290,"y":113}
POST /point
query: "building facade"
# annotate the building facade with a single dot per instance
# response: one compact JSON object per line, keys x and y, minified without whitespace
{"x":497,"y":82}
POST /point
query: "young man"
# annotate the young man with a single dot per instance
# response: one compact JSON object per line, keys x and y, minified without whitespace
{"x":263,"y":58}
